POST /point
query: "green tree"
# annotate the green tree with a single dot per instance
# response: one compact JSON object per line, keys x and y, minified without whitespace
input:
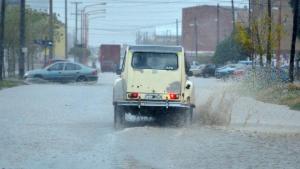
{"x":254,"y":39}
{"x":80,"y":53}
{"x":36,"y":28}
{"x":229,"y":50}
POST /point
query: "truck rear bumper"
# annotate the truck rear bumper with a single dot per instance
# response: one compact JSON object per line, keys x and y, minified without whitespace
{"x":165,"y":104}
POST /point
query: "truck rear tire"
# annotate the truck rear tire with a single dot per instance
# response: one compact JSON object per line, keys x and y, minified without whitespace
{"x":119,"y":117}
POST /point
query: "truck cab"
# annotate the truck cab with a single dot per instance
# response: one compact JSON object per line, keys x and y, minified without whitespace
{"x":153,"y":82}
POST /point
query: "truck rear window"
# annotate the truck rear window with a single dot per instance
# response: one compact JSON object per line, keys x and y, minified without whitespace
{"x":152,"y":60}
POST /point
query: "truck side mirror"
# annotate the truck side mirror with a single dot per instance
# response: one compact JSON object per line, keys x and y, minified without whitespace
{"x":119,"y":71}
{"x":188,"y":85}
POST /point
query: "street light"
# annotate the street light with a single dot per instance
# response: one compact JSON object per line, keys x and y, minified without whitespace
{"x":84,"y":20}
{"x":84,"y":23}
{"x":92,"y":5}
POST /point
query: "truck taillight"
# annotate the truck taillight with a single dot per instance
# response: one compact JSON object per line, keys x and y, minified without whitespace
{"x":173,"y":96}
{"x":133,"y":95}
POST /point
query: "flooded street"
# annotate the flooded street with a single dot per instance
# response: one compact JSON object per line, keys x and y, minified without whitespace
{"x":45,"y":131}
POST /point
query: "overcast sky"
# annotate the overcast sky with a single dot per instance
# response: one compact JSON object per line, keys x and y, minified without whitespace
{"x":123,"y":18}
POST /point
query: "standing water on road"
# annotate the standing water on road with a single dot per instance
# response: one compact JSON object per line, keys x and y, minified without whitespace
{"x":44,"y":132}
{"x":149,"y":84}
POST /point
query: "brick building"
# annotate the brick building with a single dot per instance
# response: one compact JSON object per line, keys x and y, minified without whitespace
{"x":202,"y":21}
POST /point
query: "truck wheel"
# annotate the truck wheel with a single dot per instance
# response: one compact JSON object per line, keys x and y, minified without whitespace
{"x":188,"y":116}
{"x":119,"y":117}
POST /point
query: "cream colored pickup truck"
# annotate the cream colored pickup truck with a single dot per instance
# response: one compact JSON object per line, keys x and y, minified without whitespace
{"x":153,"y":82}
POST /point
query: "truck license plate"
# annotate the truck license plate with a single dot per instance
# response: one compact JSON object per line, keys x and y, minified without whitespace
{"x":153,"y":97}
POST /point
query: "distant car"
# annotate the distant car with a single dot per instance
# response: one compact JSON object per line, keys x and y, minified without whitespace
{"x":227,"y":70}
{"x":64,"y":72}
{"x":197,"y":69}
{"x":239,"y":73}
{"x":208,"y":70}
{"x":245,"y":62}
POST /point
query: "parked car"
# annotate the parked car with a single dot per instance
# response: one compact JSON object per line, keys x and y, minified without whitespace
{"x":227,"y":71}
{"x":245,"y":62}
{"x":153,"y":82}
{"x":64,"y":72}
{"x":197,"y":69}
{"x":208,"y":70}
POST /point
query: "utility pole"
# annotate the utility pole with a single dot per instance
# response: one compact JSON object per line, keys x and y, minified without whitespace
{"x":2,"y":39}
{"x":251,"y":32}
{"x":45,"y":51}
{"x":293,"y":45}
{"x":218,"y":24}
{"x":233,"y":25}
{"x":233,"y":15}
{"x":269,"y":55}
{"x":86,"y":29}
{"x":66,"y":29}
{"x":22,"y":39}
{"x":177,"y":36}
{"x":196,"y":37}
{"x":84,"y":22}
{"x":278,"y":53}
{"x":82,"y":26}
{"x":76,"y":22}
{"x":51,"y":29}
{"x":249,"y":13}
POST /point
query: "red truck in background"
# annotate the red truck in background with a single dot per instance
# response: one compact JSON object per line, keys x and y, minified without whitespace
{"x":109,"y":57}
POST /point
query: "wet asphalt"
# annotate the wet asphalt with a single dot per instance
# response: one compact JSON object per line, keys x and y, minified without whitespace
{"x":60,"y":126}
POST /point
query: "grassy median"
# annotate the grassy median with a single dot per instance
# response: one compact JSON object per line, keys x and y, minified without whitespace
{"x":9,"y":83}
{"x":292,"y":97}
{"x":270,"y":88}
{"x":283,"y":95}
